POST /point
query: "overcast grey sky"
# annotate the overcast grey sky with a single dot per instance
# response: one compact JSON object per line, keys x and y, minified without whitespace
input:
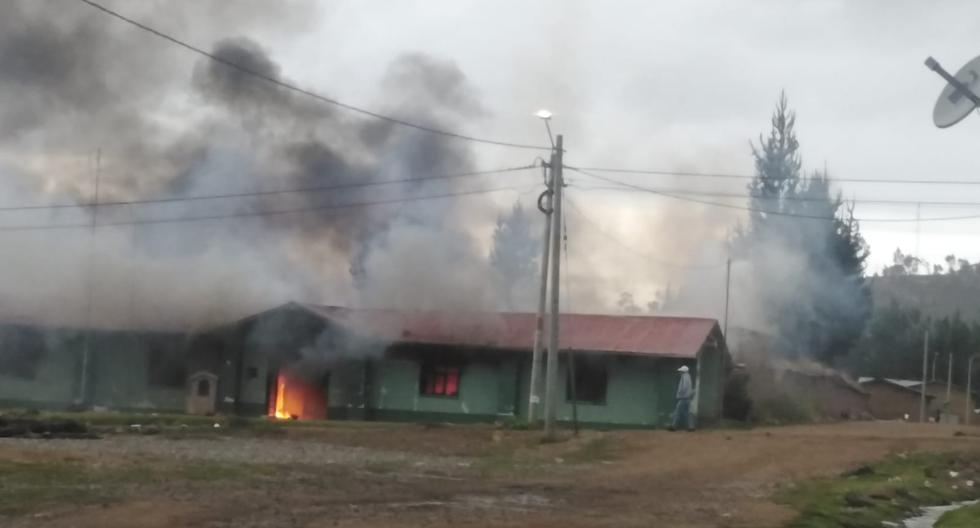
{"x":677,"y":86}
{"x":686,"y":85}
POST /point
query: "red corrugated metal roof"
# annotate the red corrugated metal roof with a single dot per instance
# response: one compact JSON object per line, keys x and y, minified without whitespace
{"x":680,"y":337}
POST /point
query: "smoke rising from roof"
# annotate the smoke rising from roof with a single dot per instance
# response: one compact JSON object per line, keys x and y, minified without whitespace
{"x":77,"y":82}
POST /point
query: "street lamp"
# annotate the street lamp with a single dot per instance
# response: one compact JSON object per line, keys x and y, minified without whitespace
{"x":545,"y":115}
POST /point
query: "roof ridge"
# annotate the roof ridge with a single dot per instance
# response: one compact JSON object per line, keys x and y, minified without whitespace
{"x":499,"y":313}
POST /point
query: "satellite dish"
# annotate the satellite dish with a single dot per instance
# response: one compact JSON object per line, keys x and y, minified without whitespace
{"x":959,"y":97}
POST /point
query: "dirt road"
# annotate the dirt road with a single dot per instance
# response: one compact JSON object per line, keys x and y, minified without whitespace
{"x":407,"y":475}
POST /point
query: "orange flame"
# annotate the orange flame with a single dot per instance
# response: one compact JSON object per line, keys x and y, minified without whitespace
{"x":280,"y":411}
{"x":297,"y":399}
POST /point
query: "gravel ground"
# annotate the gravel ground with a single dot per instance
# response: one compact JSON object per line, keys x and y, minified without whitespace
{"x":238,"y":450}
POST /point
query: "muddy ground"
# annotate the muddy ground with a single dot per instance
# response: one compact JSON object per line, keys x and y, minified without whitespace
{"x":410,"y":475}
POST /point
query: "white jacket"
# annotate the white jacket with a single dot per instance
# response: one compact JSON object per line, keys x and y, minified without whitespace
{"x":685,"y":389}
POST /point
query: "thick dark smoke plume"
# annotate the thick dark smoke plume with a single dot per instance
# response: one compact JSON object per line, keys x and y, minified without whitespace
{"x":166,"y":123}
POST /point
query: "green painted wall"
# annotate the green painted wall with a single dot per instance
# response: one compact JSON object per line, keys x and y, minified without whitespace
{"x":711,"y":387}
{"x":346,"y":392}
{"x":118,"y":374}
{"x":396,"y":388}
{"x":54,"y":384}
{"x":120,"y":377}
{"x":639,"y":392}
{"x":508,"y":381}
{"x":254,"y":390}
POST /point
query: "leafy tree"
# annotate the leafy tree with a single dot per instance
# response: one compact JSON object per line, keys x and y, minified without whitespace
{"x":903,"y":265}
{"x":805,"y":248}
{"x":515,"y":257}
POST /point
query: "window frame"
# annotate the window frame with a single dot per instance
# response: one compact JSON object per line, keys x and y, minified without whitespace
{"x":429,"y":369}
{"x":592,"y":361}
{"x":166,"y":364}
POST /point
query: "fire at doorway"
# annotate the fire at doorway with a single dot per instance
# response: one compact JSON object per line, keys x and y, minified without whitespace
{"x":295,"y":397}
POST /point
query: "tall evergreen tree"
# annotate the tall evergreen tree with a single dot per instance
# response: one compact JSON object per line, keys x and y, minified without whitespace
{"x":805,"y":248}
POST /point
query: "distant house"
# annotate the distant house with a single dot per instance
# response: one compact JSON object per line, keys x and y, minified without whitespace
{"x":829,"y":393}
{"x":795,"y":389}
{"x":893,"y":399}
{"x":302,"y":361}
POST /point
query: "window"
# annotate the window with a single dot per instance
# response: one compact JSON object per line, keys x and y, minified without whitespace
{"x":165,"y":363}
{"x":439,"y":380}
{"x":591,"y":379}
{"x":203,"y":388}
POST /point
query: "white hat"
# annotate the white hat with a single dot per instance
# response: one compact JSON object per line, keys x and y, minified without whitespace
{"x":683,"y":369}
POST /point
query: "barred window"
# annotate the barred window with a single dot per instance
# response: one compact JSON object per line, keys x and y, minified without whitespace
{"x":439,"y":380}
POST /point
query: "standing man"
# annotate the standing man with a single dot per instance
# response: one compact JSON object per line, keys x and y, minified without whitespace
{"x":685,"y":392}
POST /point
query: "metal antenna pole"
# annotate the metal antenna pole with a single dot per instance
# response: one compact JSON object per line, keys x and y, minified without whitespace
{"x":969,"y":391}
{"x":534,"y":393}
{"x":728,"y":290}
{"x":961,"y":89}
{"x":925,"y":375}
{"x":551,"y":376}
{"x":87,"y":346}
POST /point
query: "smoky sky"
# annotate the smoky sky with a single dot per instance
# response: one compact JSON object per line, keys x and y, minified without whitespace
{"x":676,"y":86}
{"x":687,"y":85}
{"x":86,"y":99}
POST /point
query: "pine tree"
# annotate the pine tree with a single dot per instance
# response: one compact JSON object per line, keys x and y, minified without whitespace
{"x":806,"y":250}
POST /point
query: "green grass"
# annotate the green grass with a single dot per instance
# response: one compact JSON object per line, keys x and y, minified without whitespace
{"x":28,"y":486}
{"x":895,"y":488}
{"x":968,"y":517}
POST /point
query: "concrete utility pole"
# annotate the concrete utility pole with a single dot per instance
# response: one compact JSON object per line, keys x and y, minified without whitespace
{"x":544,"y":205}
{"x":969,"y":390}
{"x":925,"y":375}
{"x":551,"y":377}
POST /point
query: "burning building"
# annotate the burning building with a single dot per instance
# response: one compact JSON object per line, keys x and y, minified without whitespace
{"x":302,"y":361}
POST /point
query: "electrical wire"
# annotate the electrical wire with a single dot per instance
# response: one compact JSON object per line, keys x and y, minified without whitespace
{"x":252,"y":194}
{"x":248,"y":214}
{"x":767,"y":212}
{"x":751,"y":177}
{"x":595,"y":226}
{"x":288,"y":86}
{"x":621,"y":186}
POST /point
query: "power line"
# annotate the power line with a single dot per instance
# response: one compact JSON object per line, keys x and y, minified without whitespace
{"x":622,"y":186}
{"x":751,"y":177}
{"x":764,"y":211}
{"x":278,"y":82}
{"x":247,"y":214}
{"x":633,"y":250}
{"x":252,"y":194}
